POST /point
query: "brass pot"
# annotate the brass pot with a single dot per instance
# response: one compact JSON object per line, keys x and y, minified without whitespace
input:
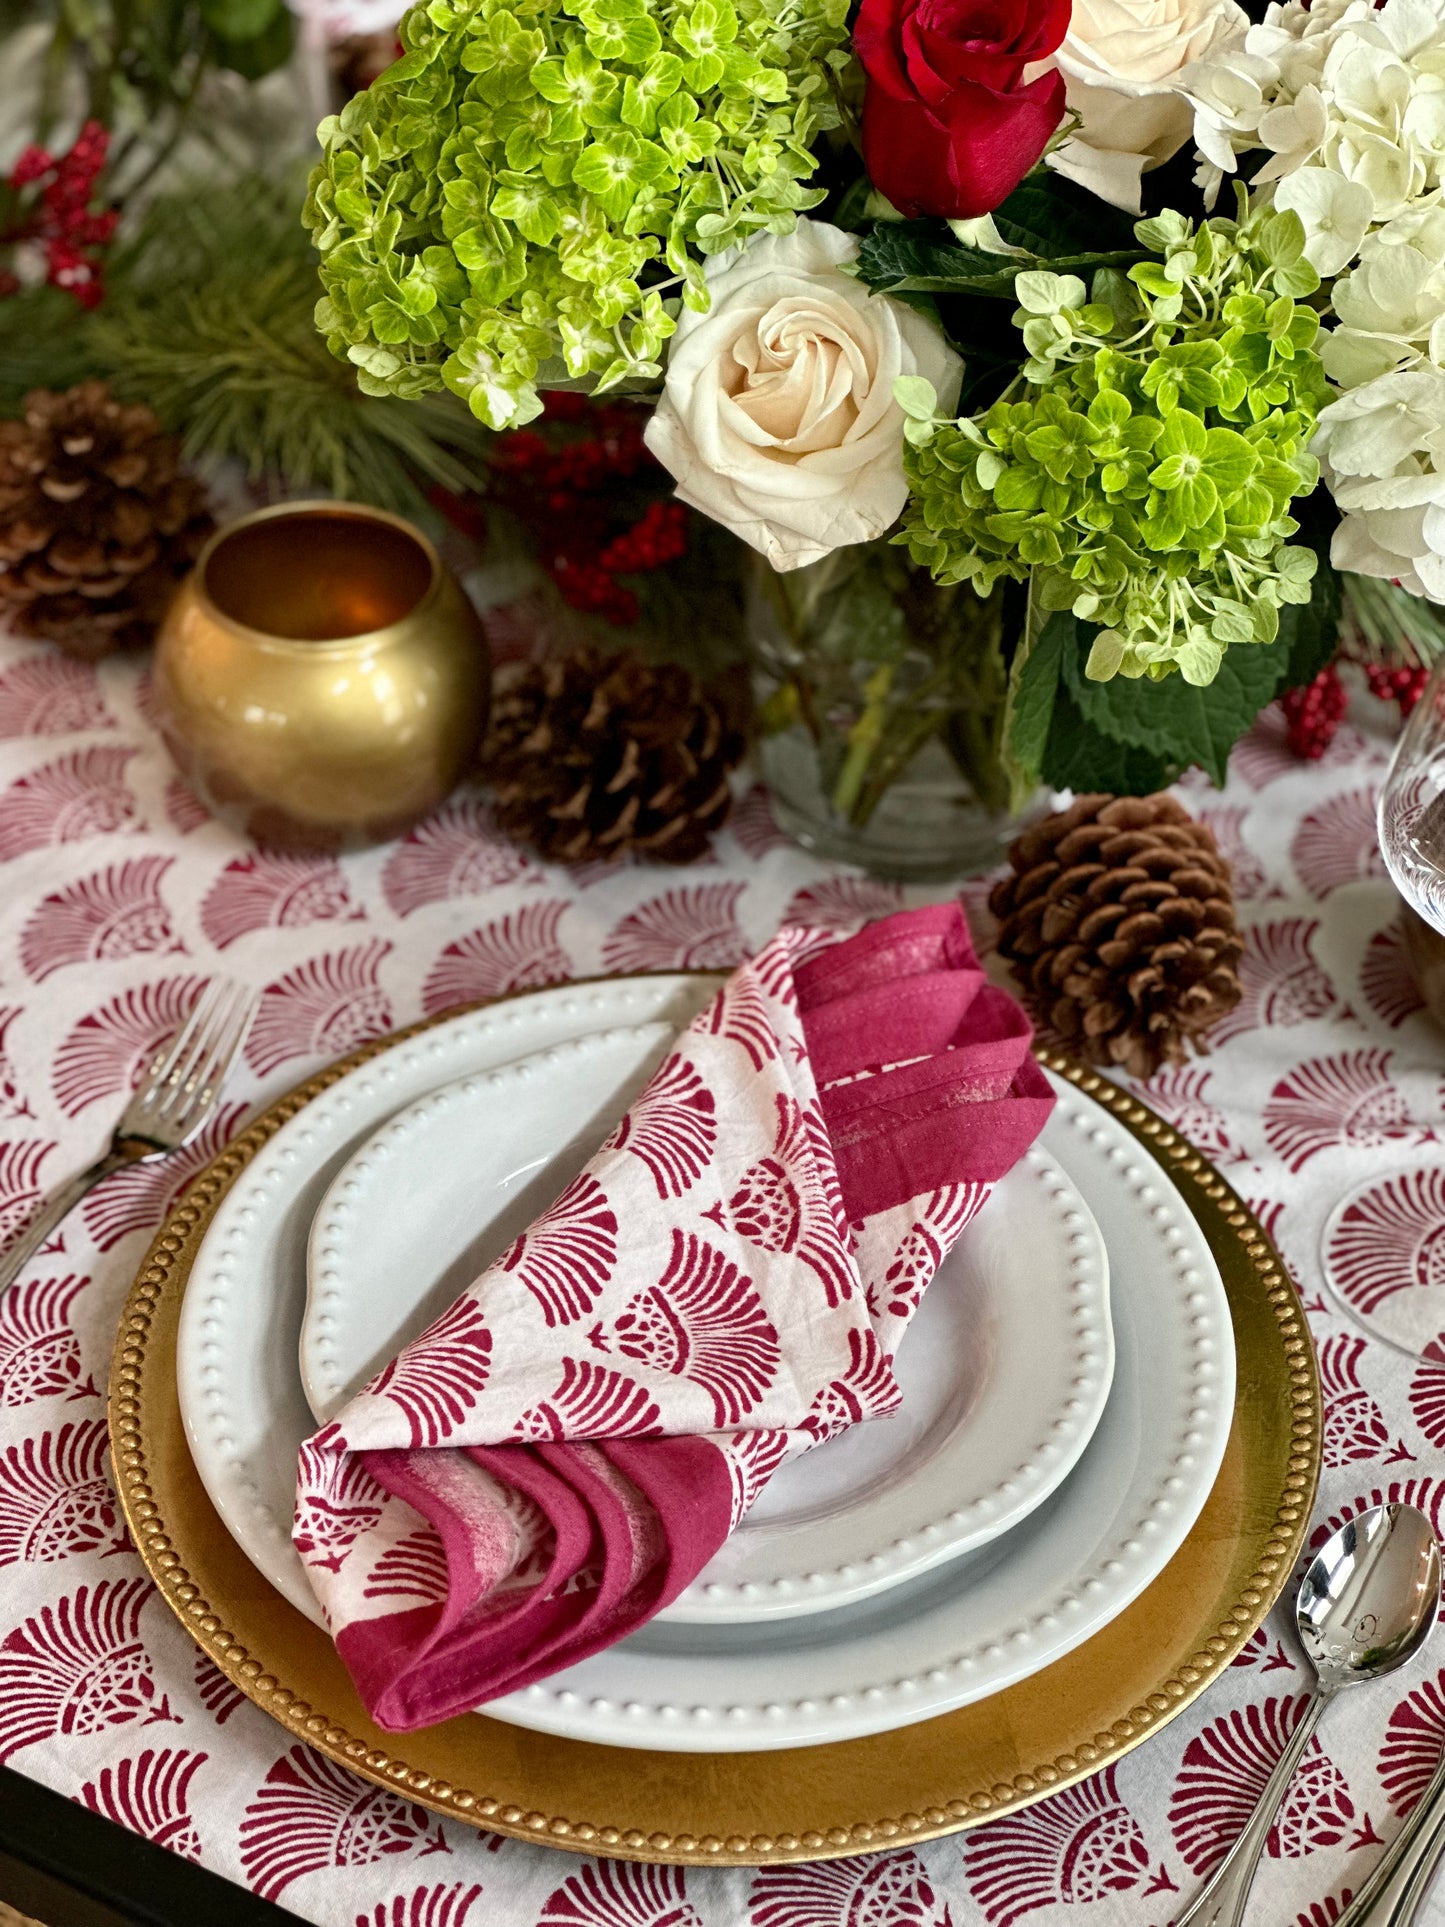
{"x":321,"y":678}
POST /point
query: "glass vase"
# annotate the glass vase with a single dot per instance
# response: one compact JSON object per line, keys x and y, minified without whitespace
{"x":881,"y":699}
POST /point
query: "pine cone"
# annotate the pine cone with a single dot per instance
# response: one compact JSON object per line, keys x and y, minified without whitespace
{"x":97,"y":521}
{"x":592,"y":755}
{"x":1119,"y":921}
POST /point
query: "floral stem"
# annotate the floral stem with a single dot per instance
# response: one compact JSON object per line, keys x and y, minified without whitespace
{"x":863,"y":739}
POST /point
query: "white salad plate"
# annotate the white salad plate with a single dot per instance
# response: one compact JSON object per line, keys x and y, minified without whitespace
{"x":1004,"y":1370}
{"x":937,"y":1641}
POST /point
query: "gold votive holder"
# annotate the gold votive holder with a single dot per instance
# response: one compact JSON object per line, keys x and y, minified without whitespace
{"x":321,"y":678}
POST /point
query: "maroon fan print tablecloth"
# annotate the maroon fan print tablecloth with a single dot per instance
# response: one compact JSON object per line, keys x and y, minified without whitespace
{"x":119,"y":898}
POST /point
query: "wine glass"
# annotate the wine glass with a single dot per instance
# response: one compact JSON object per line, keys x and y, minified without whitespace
{"x":1383,"y":1247}
{"x":1412,"y":807}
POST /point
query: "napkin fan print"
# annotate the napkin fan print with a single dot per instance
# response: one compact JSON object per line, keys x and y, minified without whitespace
{"x":557,"y":1457}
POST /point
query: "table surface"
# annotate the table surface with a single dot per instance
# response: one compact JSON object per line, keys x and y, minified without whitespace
{"x":119,"y":897}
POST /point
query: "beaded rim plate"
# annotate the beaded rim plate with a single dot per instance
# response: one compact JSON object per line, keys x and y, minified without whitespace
{"x":886,"y":1790}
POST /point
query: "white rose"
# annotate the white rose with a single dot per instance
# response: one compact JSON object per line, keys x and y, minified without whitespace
{"x":777,"y":415}
{"x":1125,"y":64}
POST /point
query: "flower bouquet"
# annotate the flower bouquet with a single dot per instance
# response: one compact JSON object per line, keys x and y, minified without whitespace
{"x":930,"y":297}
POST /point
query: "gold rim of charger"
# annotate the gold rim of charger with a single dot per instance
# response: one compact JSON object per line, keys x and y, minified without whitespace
{"x":746,"y":1809}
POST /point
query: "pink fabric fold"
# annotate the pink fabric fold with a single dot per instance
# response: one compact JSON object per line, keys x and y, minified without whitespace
{"x":726,"y":1284}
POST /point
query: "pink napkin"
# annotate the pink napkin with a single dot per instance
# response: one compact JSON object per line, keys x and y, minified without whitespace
{"x":725,"y":1284}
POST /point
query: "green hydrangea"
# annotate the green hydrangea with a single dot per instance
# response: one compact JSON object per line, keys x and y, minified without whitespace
{"x":529,"y":191}
{"x":1141,"y":467}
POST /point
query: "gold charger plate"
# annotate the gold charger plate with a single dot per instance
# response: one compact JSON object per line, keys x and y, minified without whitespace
{"x":805,"y":1803}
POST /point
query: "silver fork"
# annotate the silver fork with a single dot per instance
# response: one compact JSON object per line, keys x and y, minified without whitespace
{"x":180,"y":1092}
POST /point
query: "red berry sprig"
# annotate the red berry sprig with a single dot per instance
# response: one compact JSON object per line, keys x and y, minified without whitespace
{"x":564,"y":486}
{"x":1313,"y":714}
{"x":1404,"y":685}
{"x":72,"y":233}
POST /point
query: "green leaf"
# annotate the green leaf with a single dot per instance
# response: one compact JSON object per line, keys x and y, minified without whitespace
{"x":1033,"y":686}
{"x":1080,"y":757}
{"x":923,"y":256}
{"x":1172,"y":719}
{"x":1046,"y":215}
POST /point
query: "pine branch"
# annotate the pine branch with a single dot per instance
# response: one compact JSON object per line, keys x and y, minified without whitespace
{"x":210,"y":322}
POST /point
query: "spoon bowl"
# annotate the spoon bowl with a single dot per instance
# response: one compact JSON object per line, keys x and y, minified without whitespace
{"x":1370,"y":1596}
{"x":1366,"y":1605}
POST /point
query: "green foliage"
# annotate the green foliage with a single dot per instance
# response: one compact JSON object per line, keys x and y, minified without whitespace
{"x":1133,"y":737}
{"x":1143,"y":464}
{"x":140,"y":68}
{"x":44,"y":343}
{"x":209,"y":320}
{"x":1041,"y":222}
{"x":521,"y":193}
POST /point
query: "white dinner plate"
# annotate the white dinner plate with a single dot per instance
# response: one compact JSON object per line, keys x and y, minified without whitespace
{"x":931,"y":1643}
{"x":1004,"y":1370}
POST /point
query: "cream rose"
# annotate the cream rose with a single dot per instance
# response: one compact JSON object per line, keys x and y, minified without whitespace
{"x":1124,"y":63}
{"x":777,"y":416}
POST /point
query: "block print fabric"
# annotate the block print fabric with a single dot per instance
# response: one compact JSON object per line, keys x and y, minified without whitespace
{"x":119,"y":899}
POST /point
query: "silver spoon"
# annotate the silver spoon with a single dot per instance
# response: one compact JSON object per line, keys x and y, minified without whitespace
{"x":1366,"y":1605}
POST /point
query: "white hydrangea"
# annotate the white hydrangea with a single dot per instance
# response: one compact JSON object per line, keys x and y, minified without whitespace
{"x":1382,"y":450}
{"x":1382,"y":444}
{"x":1349,"y":101}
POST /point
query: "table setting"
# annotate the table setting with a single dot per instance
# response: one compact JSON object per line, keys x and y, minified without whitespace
{"x":722,"y":960}
{"x":264,"y":1373}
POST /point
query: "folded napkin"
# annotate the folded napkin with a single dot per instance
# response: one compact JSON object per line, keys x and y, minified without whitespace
{"x":725,"y":1284}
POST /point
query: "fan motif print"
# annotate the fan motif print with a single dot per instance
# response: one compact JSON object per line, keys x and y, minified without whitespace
{"x":1413,"y":1745}
{"x":321,"y":1009}
{"x":874,"y":1890}
{"x":138,"y":1197}
{"x":55,"y":1500}
{"x":51,"y":695}
{"x":309,"y":1814}
{"x":1354,"y":1424}
{"x":785,"y":1204}
{"x":1082,"y":1845}
{"x":452,"y":854}
{"x":436,"y":1399}
{"x":672,"y":1127}
{"x":1333,"y":1102}
{"x":439,"y":1906}
{"x":78,"y":796}
{"x":610,"y":1893}
{"x":567,"y":1256}
{"x":591,"y":1401}
{"x":151,"y":1795}
{"x":1387,"y":979}
{"x":40,"y":1354}
{"x":691,"y":928}
{"x":272,"y":891}
{"x":1279,"y":980}
{"x":703,"y":1320}
{"x":1338,"y":844}
{"x":1392,"y":1239}
{"x":692,"y":1284}
{"x":111,"y":862}
{"x":79,"y":1667}
{"x":117,"y":912}
{"x":21,"y":1188}
{"x":108,"y":1052}
{"x":1224,"y":1772}
{"x":521,"y":951}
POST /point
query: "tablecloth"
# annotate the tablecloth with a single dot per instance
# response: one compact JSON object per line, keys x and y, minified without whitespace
{"x":119,"y":897}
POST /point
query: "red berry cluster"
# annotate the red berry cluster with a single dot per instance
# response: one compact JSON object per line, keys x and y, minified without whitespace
{"x":63,"y":222}
{"x":1404,"y":686}
{"x":1313,"y":714}
{"x":564,"y":486}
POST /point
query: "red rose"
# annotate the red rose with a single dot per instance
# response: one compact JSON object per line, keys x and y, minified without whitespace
{"x":950,"y":127}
